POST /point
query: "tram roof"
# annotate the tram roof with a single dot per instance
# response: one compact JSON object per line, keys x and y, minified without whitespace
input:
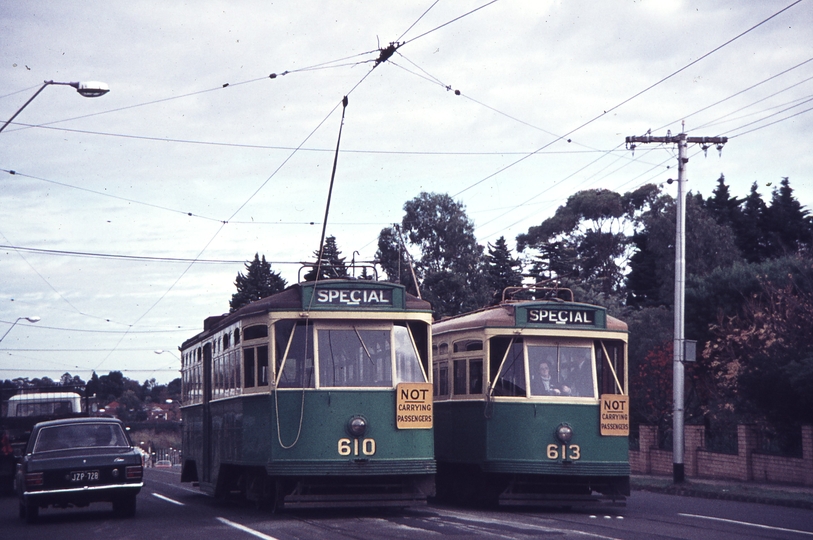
{"x":504,"y":316}
{"x":291,"y":299}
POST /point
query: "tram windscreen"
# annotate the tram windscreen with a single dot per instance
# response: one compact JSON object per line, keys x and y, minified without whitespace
{"x":355,"y":358}
{"x":561,"y":370}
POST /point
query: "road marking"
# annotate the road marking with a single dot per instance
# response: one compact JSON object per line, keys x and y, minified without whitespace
{"x":243,"y":528}
{"x":757,"y":525}
{"x":168,"y":499}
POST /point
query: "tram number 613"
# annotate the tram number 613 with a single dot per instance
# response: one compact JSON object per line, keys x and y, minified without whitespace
{"x":352,"y":447}
{"x":571,"y":452}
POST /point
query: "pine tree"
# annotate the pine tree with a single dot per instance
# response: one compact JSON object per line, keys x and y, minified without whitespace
{"x":332,"y":266}
{"x":788,"y":224}
{"x":751,"y":238}
{"x":503,"y":270}
{"x":724,"y":207}
{"x":258,"y":282}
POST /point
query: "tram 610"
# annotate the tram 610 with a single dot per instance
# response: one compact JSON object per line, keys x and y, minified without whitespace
{"x":531,"y":404}
{"x":319,"y":395}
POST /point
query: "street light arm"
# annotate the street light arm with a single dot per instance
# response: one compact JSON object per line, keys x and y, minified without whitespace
{"x":29,"y":319}
{"x":86,"y":89}
{"x":21,"y":110}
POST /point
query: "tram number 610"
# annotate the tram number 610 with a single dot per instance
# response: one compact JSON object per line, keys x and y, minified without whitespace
{"x":571,"y":452}
{"x":352,"y":446}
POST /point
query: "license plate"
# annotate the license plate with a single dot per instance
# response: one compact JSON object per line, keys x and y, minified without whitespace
{"x":84,"y":476}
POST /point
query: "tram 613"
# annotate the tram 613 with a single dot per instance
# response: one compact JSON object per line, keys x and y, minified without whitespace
{"x":319,"y":395}
{"x":531,"y":404}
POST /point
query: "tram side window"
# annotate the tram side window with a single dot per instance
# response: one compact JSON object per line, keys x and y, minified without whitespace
{"x":511,"y":379}
{"x":255,"y":332}
{"x":248,"y":368}
{"x":262,"y":366}
{"x":476,"y":376}
{"x":294,"y":354}
{"x":459,"y":385}
{"x":443,"y":380}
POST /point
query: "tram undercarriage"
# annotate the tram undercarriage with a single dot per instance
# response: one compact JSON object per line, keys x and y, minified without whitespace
{"x":466,"y":484}
{"x":277,"y":493}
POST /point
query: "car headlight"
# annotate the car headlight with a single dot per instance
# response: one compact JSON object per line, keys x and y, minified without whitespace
{"x":564,"y":433}
{"x":357,"y":426}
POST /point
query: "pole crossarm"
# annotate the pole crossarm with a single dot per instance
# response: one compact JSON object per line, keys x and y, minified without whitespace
{"x":676,"y":139}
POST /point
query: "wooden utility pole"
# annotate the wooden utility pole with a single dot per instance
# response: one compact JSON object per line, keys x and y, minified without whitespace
{"x":680,"y":282}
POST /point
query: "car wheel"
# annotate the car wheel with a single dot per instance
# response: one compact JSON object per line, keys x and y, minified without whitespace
{"x":125,"y":507}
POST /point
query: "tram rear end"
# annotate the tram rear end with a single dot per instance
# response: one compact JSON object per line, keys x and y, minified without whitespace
{"x":317,"y":396}
{"x":531,"y":405}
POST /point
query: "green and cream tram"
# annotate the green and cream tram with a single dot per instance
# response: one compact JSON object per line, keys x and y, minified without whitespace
{"x":319,"y":395}
{"x":531,"y":404}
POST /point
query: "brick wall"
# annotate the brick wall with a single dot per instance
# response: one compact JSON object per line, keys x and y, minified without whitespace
{"x":746,"y":465}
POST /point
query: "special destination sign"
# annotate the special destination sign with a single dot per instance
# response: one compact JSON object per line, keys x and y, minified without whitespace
{"x":553,"y":314}
{"x":353,"y":296}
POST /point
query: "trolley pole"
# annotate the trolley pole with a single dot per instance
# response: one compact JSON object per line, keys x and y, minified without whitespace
{"x":682,"y":142}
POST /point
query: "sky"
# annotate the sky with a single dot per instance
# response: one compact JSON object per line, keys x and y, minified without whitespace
{"x":128,"y":216}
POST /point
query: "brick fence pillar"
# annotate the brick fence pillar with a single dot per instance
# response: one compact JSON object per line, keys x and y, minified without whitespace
{"x":647,"y":437}
{"x":694,"y":438}
{"x":807,"y":454}
{"x":746,"y":444}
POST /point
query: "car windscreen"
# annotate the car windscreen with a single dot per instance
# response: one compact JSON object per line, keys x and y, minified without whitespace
{"x":69,"y":436}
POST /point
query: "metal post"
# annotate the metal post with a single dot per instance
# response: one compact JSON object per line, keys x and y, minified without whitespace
{"x":680,"y":295}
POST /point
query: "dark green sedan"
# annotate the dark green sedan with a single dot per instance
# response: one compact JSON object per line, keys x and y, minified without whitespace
{"x":78,"y":461}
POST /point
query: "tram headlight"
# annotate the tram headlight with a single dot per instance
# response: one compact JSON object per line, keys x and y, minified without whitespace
{"x":564,"y":433}
{"x":357,"y":426}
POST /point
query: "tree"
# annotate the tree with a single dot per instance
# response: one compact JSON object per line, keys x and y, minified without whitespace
{"x":451,"y":266}
{"x":585,"y":240}
{"x":709,"y":245}
{"x":503,"y":270}
{"x":394,"y":259}
{"x":762,"y":358}
{"x":258,"y":282}
{"x":751,"y":235}
{"x":332,"y":266}
{"x":788,"y":225}
{"x":723,"y":207}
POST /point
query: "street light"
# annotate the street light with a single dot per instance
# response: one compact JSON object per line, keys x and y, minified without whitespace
{"x":29,"y":319}
{"x":87,"y":89}
{"x":161,"y":351}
